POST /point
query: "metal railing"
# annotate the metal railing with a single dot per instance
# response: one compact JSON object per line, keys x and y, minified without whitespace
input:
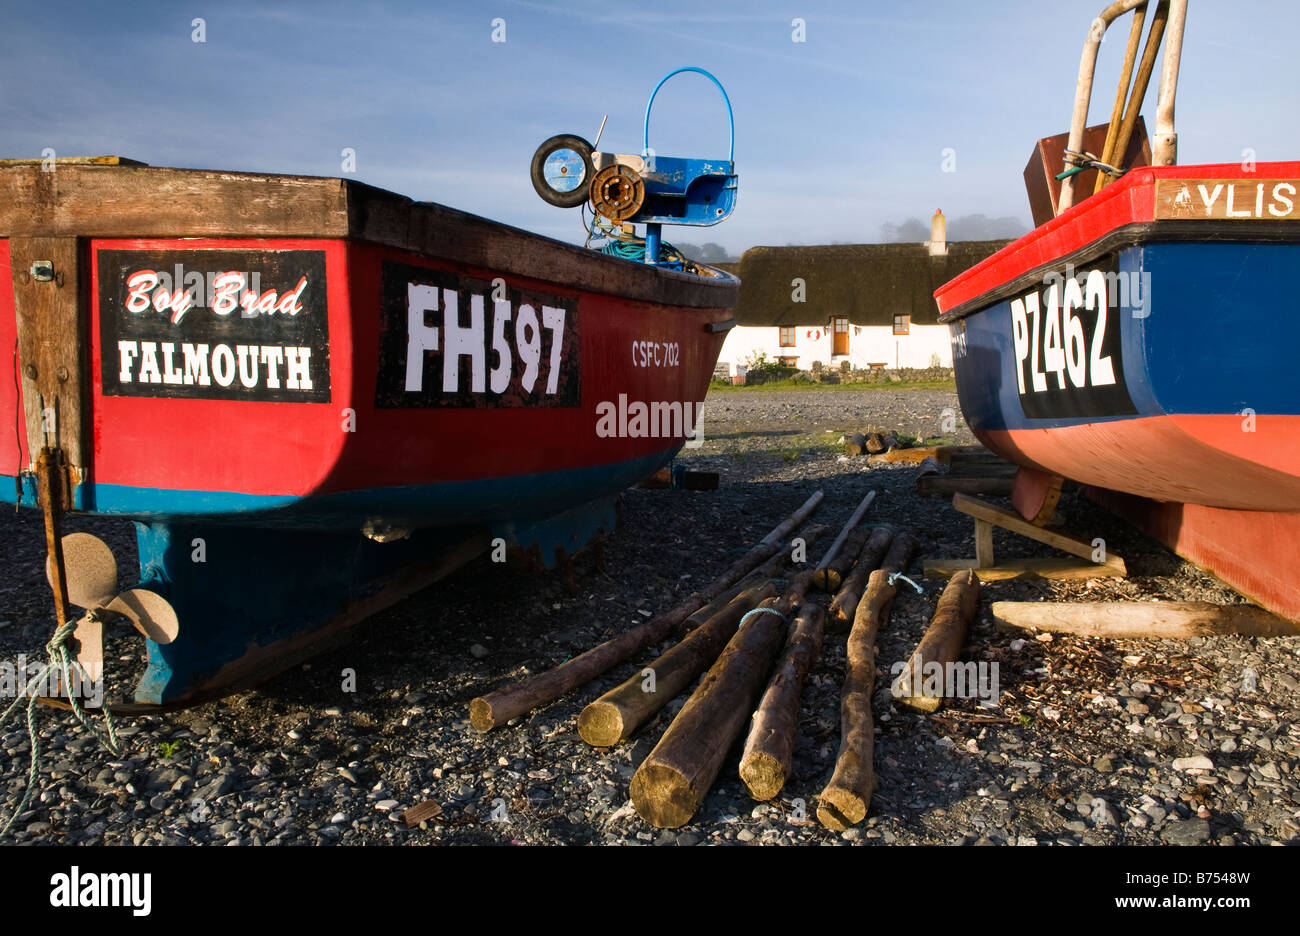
{"x":1167,"y":23}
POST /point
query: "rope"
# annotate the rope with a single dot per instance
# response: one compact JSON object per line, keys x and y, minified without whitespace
{"x":629,"y":246}
{"x":60,"y":658}
{"x":1082,"y":162}
{"x":633,"y":248}
{"x":749,"y":614}
{"x":894,"y":576}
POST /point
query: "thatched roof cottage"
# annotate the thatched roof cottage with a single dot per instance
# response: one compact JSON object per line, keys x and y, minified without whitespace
{"x":869,"y":304}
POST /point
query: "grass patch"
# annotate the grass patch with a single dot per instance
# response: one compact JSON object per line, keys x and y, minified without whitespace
{"x":785,"y":385}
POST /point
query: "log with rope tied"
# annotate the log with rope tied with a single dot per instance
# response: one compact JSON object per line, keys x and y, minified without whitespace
{"x":621,"y":711}
{"x":769,"y":750}
{"x":941,"y":644}
{"x":847,"y":797}
{"x":617,"y":714}
{"x":671,"y":783}
{"x":498,"y":707}
{"x":902,"y":548}
{"x":770,"y":569}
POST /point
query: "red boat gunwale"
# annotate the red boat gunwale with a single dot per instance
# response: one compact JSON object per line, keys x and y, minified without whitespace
{"x":1081,"y":230}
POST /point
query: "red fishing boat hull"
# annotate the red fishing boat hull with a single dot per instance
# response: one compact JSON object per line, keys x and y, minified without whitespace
{"x":314,"y":397}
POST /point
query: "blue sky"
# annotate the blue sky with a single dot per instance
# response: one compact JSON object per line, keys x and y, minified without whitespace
{"x":836,"y":136}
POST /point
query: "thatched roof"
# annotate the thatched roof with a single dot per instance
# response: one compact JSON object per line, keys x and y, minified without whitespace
{"x":869,"y":283}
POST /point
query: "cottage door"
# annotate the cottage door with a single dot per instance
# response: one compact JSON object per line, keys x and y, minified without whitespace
{"x":840,"y":340}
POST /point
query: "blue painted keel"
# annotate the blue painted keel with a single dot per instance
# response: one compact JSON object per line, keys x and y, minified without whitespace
{"x":255,"y":584}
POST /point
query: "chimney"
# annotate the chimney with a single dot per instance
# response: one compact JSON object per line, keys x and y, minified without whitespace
{"x":938,"y":234}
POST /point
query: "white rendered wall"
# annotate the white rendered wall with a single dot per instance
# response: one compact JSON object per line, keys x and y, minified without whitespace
{"x":868,"y":344}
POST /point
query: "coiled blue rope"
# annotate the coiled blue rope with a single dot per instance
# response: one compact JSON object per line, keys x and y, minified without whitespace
{"x":669,"y":255}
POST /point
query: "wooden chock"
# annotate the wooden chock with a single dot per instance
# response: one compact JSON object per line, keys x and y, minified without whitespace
{"x":987,"y":516}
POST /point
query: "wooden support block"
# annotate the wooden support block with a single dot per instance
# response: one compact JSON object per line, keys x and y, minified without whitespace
{"x":1023,"y":568}
{"x":984,"y":544}
{"x":1142,"y":619}
{"x":977,"y":455}
{"x":981,"y":510}
{"x":963,"y":484}
{"x":989,"y":471}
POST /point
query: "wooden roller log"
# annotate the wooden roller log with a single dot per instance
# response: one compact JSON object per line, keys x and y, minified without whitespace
{"x":1142,"y":619}
{"x":847,"y":797}
{"x":880,"y":442}
{"x":498,"y":707}
{"x":827,"y":577}
{"x":941,"y":643}
{"x":769,"y":750}
{"x":844,"y":605}
{"x":621,"y":711}
{"x":840,"y":544}
{"x":770,"y":569}
{"x":943,"y":453}
{"x":671,"y":783}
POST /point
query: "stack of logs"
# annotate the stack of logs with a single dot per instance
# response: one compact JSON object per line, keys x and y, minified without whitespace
{"x":870,"y":442}
{"x":755,"y":644}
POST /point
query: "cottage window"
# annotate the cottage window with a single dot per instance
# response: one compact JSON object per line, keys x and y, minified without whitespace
{"x":787,"y":336}
{"x":901,"y":324}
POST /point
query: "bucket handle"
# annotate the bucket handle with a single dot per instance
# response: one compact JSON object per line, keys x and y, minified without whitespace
{"x":731,"y":121}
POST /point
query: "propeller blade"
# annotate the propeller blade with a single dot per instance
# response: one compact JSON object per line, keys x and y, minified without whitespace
{"x":150,"y":612}
{"x":91,"y":570}
{"x":90,"y":635}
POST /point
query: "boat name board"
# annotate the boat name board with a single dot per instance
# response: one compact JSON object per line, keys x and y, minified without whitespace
{"x":214,"y":324}
{"x":1066,"y":343}
{"x":1227,"y":199}
{"x":448,"y":340}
